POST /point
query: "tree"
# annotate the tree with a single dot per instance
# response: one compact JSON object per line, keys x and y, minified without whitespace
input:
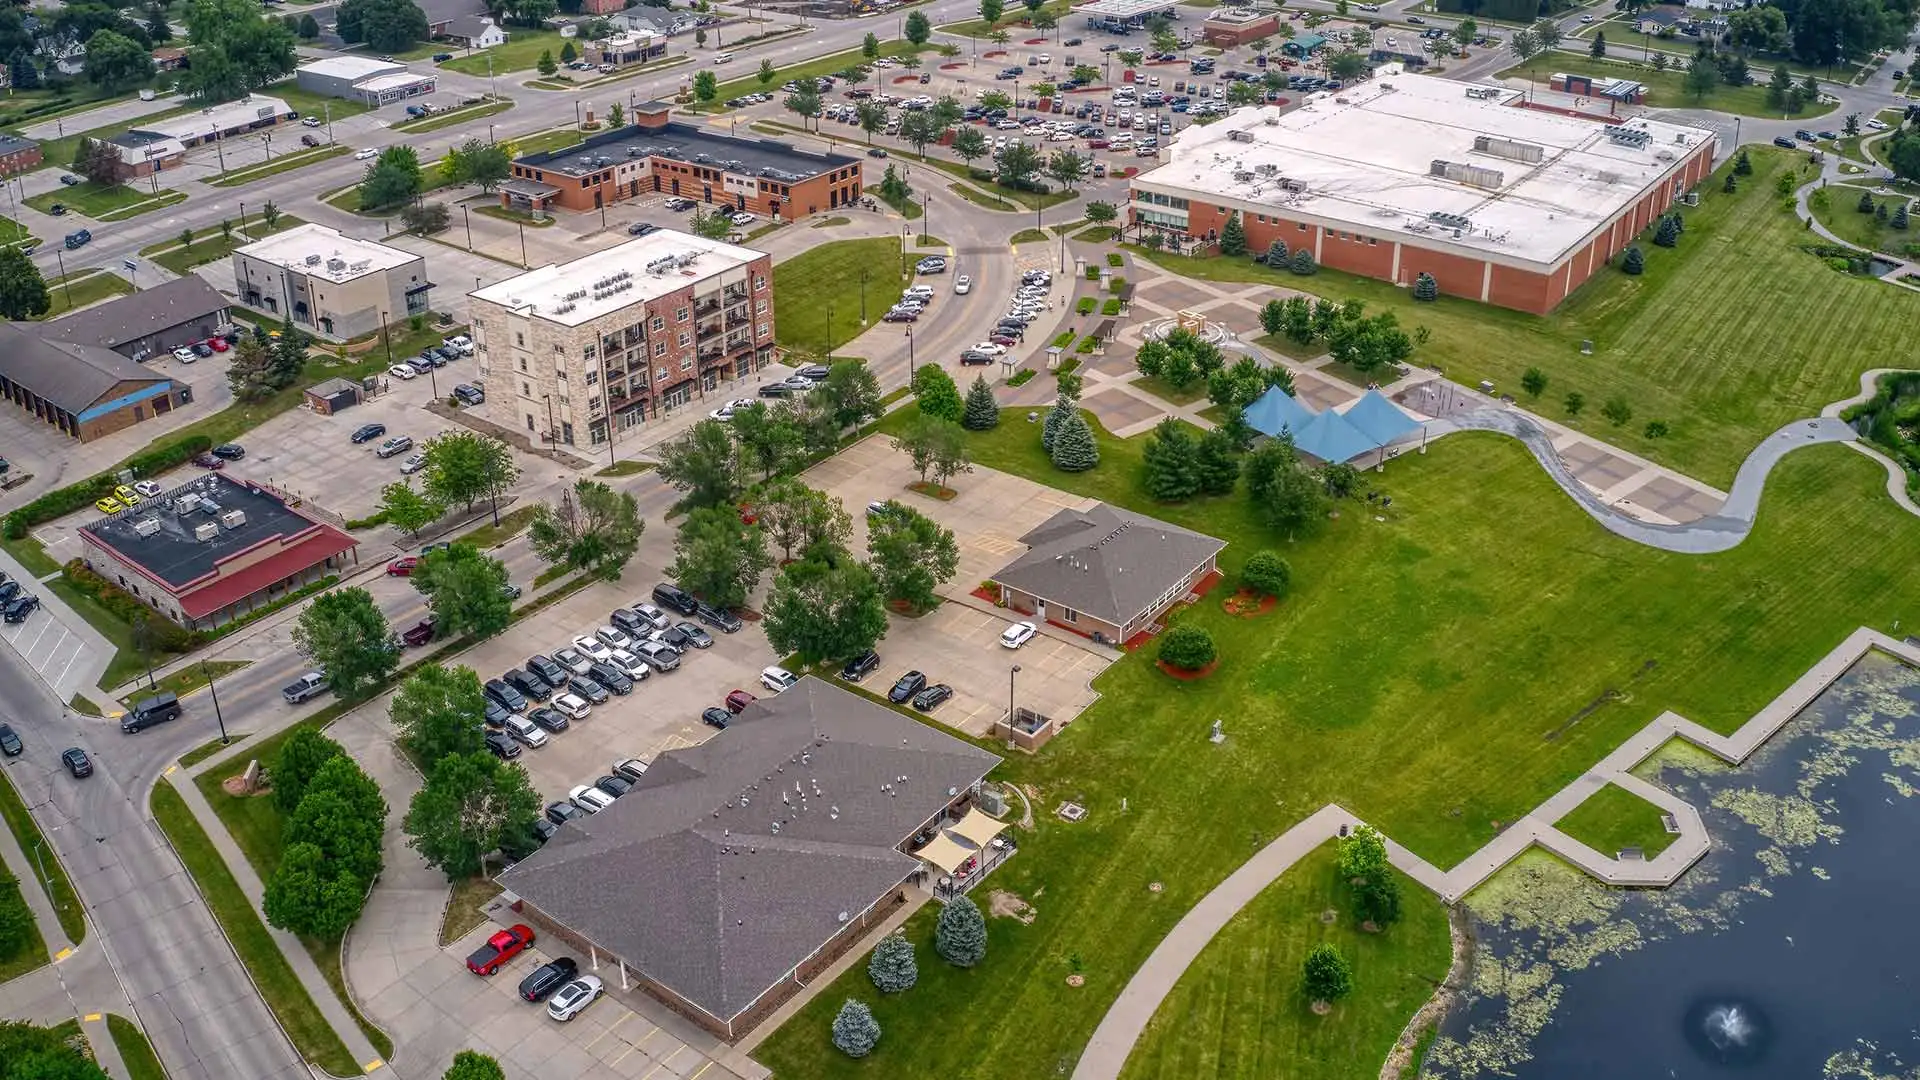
{"x":910,"y":555}
{"x":466,"y":591}
{"x":249,"y":372}
{"x":1524,"y":44}
{"x":1574,"y":402}
{"x":968,"y":143}
{"x":476,"y":162}
{"x":892,"y":967}
{"x":1233,"y":236}
{"x":1171,"y":463}
{"x":918,"y":29}
{"x":1363,"y":855}
{"x":805,"y":102}
{"x":1425,"y":288}
{"x":1633,"y":262}
{"x":300,"y":758}
{"x":1733,"y":70}
{"x":1303,"y":263}
{"x":855,"y":1031}
{"x":470,"y":802}
{"x":1702,"y":77}
{"x":1667,"y":234}
{"x":960,"y":933}
{"x":548,"y":66}
{"x":768,"y":438}
{"x":1598,"y":48}
{"x":1899,"y":219}
{"x":1267,"y":573}
{"x":97,"y":160}
{"x":309,"y":894}
{"x":714,"y":226}
{"x":22,"y":74}
{"x":1761,"y":28}
{"x":1066,"y":167}
{"x":1017,"y":164}
{"x":797,"y":517}
{"x":270,"y":214}
{"x":1779,"y":85}
{"x":471,"y":1065}
{"x":466,"y":466}
{"x":1187,"y":647}
{"x":595,"y":529}
{"x":343,"y":814}
{"x":425,"y":219}
{"x":408,"y":510}
{"x":1368,"y":344}
{"x":1346,"y":64}
{"x":719,"y":558}
{"x":869,"y":48}
{"x":850,"y":396}
{"x":568,"y":54}
{"x":115,"y":61}
{"x":706,"y":464}
{"x":1534,"y":382}
{"x":1377,"y":900}
{"x":384,"y":25}
{"x":23,"y":291}
{"x":1283,"y":494}
{"x":991,"y":10}
{"x":233,"y":49}
{"x":1731,"y":184}
{"x":392,"y":179}
{"x":436,"y":711}
{"x":16,"y":920}
{"x":983,"y":413}
{"x":825,"y":612}
{"x":873,"y":116}
{"x":1326,"y":976}
{"x":1617,"y":411}
{"x":766,"y":74}
{"x":1217,"y":464}
{"x":346,"y":633}
{"x":308,"y":30}
{"x":936,"y":394}
{"x":706,"y":86}
{"x":1101,"y":213}
{"x":1074,"y":449}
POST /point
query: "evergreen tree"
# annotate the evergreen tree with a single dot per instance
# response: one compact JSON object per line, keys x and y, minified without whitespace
{"x":1899,"y":220}
{"x":22,"y":72}
{"x":1233,"y":237}
{"x":855,"y":1031}
{"x":1865,"y":205}
{"x":1277,"y":254}
{"x":1666,"y":234}
{"x":1073,"y":447}
{"x":892,"y":967}
{"x":960,"y":934}
{"x":1633,"y":262}
{"x":1732,"y":183}
{"x":1743,"y":165}
{"x":1880,"y":213}
{"x":1303,"y":262}
{"x":1171,"y":462}
{"x":1425,"y":288}
{"x":982,"y":411}
{"x":1216,"y":464}
{"x":1063,"y":406}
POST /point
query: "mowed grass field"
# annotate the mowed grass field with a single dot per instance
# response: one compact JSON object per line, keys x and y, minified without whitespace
{"x":1239,"y":1013}
{"x":1614,"y":818}
{"x":817,"y":292}
{"x":1727,"y":337}
{"x":1429,"y":672}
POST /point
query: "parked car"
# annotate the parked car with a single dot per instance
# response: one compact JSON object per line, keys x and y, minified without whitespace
{"x":525,"y":731}
{"x":582,"y":686}
{"x":413,"y":464}
{"x":693,"y":635}
{"x":719,"y":618}
{"x":613,"y":637}
{"x":642,"y":228}
{"x":419,"y":633}
{"x":738,"y":700}
{"x":573,"y":998}
{"x":368,"y":433}
{"x":305,"y":688}
{"x":499,"y":948}
{"x":550,"y":673}
{"x":777,"y":678}
{"x":906,"y":686}
{"x":533,"y":686}
{"x":403,"y":566}
{"x":229,"y":451}
{"x":932,"y":696}
{"x":502,"y":692}
{"x":861,"y":666}
{"x":615,"y":786}
{"x":547,"y":978}
{"x":713,"y":716}
{"x":612,"y":678}
{"x":9,"y":742}
{"x":77,"y":762}
{"x":590,"y":799}
{"x":502,"y":745}
{"x":657,"y":656}
{"x":469,"y":394}
{"x":572,"y":706}
{"x":1017,"y":635}
{"x":148,"y":712}
{"x":592,"y":647}
{"x":399,"y":444}
{"x":673,"y":638}
{"x":573,"y":660}
{"x":673,"y":596}
{"x":631,"y":768}
{"x":548,"y":720}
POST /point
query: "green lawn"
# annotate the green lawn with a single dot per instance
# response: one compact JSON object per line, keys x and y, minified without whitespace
{"x":12,"y":232}
{"x":1665,"y":89}
{"x":95,"y":201}
{"x":312,"y":1036}
{"x":32,"y":555}
{"x":512,"y":524}
{"x":824,"y":283}
{"x":32,"y":951}
{"x":188,"y":679}
{"x":522,"y":51}
{"x":308,"y":103}
{"x":1425,"y":673}
{"x":541,"y":142}
{"x":59,"y":890}
{"x":1614,"y":818}
{"x":1838,"y":208}
{"x":981,"y":199}
{"x":253,"y":821}
{"x":748,"y":72}
{"x":135,"y":1051}
{"x":1727,"y":337}
{"x":83,"y":287}
{"x":453,"y":116}
{"x":1238,"y":1011}
{"x":156,"y":200}
{"x":209,"y":748}
{"x":209,"y":245}
{"x":284,"y":163}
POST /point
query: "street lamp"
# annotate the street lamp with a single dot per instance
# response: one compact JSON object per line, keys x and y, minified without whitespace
{"x":1010,"y":675}
{"x":909,"y":353}
{"x":387,"y":337}
{"x":863,"y":296}
{"x":217,"y":718}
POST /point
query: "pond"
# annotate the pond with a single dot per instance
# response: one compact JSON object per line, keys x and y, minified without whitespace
{"x":1788,"y":951}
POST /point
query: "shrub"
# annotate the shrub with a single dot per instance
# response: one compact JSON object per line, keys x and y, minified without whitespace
{"x":1087,"y":344}
{"x":1303,"y":263}
{"x":1633,"y":262}
{"x":1085,"y":305}
{"x":1093,"y":273}
{"x":1667,"y":233}
{"x":162,"y":632}
{"x":1656,"y":429}
{"x":1116,"y":284}
{"x":1111,"y":306}
{"x":1115,"y":260}
{"x":892,"y":967}
{"x":1425,"y":288}
{"x":1187,"y":647}
{"x":1022,"y":377}
{"x":1326,"y":975}
{"x":855,"y":1031}
{"x":1266,"y":572}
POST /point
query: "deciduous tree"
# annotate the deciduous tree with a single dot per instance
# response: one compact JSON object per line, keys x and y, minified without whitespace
{"x":825,"y":612}
{"x":466,"y":589}
{"x":472,"y":1065}
{"x":717,"y":557}
{"x":293,"y":768}
{"x":594,"y":529}
{"x":1283,"y":494}
{"x":408,"y":510}
{"x":705,"y":466}
{"x":23,"y":291}
{"x":910,"y":555}
{"x":115,"y":61}
{"x":310,"y":894}
{"x":437,"y":712}
{"x":1326,"y":975}
{"x":469,"y":803}
{"x":936,"y":394}
{"x":344,"y":631}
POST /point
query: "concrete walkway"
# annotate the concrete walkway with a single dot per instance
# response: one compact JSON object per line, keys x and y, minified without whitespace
{"x":302,"y":964}
{"x":1106,"y":1052}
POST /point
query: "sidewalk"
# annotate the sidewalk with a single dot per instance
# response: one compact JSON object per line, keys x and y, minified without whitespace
{"x":296,"y":953}
{"x":23,"y":867}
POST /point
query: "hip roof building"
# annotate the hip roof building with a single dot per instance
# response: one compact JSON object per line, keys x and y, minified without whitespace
{"x":1400,"y":176}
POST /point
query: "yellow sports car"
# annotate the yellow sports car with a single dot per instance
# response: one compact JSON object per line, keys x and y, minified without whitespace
{"x":127,"y":495}
{"x":109,"y":505}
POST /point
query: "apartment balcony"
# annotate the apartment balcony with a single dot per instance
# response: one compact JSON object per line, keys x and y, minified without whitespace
{"x":734,"y":322}
{"x":737,"y":342}
{"x":711,"y":326}
{"x":733,"y":294}
{"x":706,"y":307}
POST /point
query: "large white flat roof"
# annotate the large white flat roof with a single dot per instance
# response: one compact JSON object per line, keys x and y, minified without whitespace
{"x":352,"y":68}
{"x":219,"y":117}
{"x":572,"y":293}
{"x":1366,"y":156}
{"x":326,"y":253}
{"x":1125,"y":9}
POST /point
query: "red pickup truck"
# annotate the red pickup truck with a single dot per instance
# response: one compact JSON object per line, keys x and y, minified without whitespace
{"x":499,"y":949}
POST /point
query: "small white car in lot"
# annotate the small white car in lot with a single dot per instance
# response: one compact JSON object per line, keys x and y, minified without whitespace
{"x":653,"y":615}
{"x":1018,"y":634}
{"x":634,"y":667}
{"x":413,"y":464}
{"x":593,"y":647}
{"x":614,"y":637}
{"x":590,"y":799}
{"x":185,"y":355}
{"x":366,"y":155}
{"x":403,"y":371}
{"x":777,"y":679}
{"x":572,"y":706}
{"x":572,"y":999}
{"x":725,"y":412}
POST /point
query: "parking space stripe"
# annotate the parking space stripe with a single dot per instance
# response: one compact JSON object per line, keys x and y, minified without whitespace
{"x":624,"y":1016}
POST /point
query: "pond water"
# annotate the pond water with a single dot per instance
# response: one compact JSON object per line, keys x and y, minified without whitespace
{"x":1791,"y":950}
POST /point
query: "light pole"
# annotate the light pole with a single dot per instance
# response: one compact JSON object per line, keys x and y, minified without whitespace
{"x":64,"y":283}
{"x":387,"y":336}
{"x":863,"y":296}
{"x":1010,"y":674}
{"x":217,"y":718}
{"x":467,"y":215}
{"x":553,"y":430}
{"x":909,"y":353}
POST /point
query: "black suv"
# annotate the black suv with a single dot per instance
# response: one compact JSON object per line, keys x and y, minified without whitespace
{"x":19,"y":607}
{"x":505,"y":695}
{"x":861,"y":666}
{"x":502,"y":745}
{"x":527,"y":683}
{"x":547,"y":978}
{"x":673,"y":596}
{"x":547,"y":670}
{"x":910,"y":684}
{"x":157,"y":709}
{"x":719,"y":618}
{"x":610,"y":677}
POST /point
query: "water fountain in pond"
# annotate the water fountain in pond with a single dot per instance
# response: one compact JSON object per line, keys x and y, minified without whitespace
{"x":1728,"y":1031}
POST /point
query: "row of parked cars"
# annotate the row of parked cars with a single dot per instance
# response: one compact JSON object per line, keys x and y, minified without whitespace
{"x":802,"y":380}
{"x":558,"y":982}
{"x":1028,"y":302}
{"x":912,"y":304}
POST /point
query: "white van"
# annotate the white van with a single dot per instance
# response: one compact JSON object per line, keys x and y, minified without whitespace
{"x":723,"y":58}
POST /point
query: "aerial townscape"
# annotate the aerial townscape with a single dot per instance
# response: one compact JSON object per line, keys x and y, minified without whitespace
{"x":992,"y":539}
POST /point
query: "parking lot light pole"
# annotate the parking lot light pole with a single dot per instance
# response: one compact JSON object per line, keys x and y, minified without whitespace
{"x":1010,"y":675}
{"x":909,"y":353}
{"x":386,"y":336}
{"x":217,"y":718}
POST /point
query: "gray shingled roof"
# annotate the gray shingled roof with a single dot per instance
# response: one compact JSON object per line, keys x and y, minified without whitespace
{"x":468,"y":26}
{"x":136,"y":315}
{"x":70,"y":375}
{"x":1106,"y":562}
{"x":687,"y":878}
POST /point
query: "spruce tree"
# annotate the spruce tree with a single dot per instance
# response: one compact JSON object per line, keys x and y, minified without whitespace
{"x":1633,"y":262}
{"x":855,"y":1031}
{"x":982,"y":411}
{"x":1732,"y":183}
{"x":892,"y":967}
{"x":1073,"y":447}
{"x":1880,"y":213}
{"x":1865,"y":205}
{"x":1425,"y":288}
{"x":1216,"y":464}
{"x":1233,"y":237}
{"x":1303,"y":262}
{"x":960,"y":934}
{"x":1171,"y":472}
{"x":1063,"y":406}
{"x":1277,"y":254}
{"x":1899,"y":220}
{"x":1666,"y":234}
{"x":1743,"y":165}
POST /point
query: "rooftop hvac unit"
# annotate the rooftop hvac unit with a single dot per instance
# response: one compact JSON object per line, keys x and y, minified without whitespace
{"x":1241,"y":135}
{"x":186,"y":504}
{"x":1531,"y":153}
{"x":360,"y":266}
{"x":1637,"y":138}
{"x":335,"y":266}
{"x":205,"y":531}
{"x":1473,"y":175}
{"x":233,"y":519}
{"x":146,"y":526}
{"x":1483,"y":93}
{"x":1450,"y":221}
{"x":312,"y":260}
{"x":1663,"y":155}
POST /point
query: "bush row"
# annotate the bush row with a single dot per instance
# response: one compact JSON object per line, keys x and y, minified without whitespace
{"x":163,"y":633}
{"x":77,"y":495}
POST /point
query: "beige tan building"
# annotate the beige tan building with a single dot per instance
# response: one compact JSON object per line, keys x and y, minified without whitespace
{"x":332,"y":285}
{"x":571,"y":350}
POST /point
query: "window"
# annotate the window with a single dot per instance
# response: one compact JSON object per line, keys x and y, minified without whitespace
{"x":685,"y":339}
{"x":525,"y":390}
{"x":560,"y":373}
{"x":659,"y":348}
{"x":1374,"y":241}
{"x":1068,"y":615}
{"x":523,"y":365}
{"x":686,"y":363}
{"x":759,"y":282}
{"x":761,"y":307}
{"x":1301,"y":226}
{"x":593,"y":376}
{"x":682,"y":314}
{"x":765,"y":329}
{"x":588,"y":353}
{"x":520,"y":339}
{"x":659,"y":323}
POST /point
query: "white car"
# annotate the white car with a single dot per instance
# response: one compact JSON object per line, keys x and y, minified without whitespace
{"x":653,"y":615}
{"x":525,"y":731}
{"x":614,"y":637}
{"x":572,"y":999}
{"x":723,"y":58}
{"x":461,"y":344}
{"x":1586,"y":18}
{"x":962,"y":285}
{"x":366,"y":155}
{"x":590,"y":799}
{"x":147,"y":489}
{"x":777,"y":679}
{"x":572,"y":706}
{"x":185,"y":355}
{"x":413,"y":464}
{"x":573,"y":660}
{"x":593,"y":647}
{"x":725,"y":412}
{"x":742,"y":218}
{"x":1018,"y":634}
{"x":403,"y":371}
{"x":990,"y":348}
{"x":632,"y":666}
{"x":1877,"y":125}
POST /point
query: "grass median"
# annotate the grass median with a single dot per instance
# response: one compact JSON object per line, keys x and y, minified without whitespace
{"x":82,"y":288}
{"x":135,"y":1051}
{"x":59,"y":890}
{"x":299,"y":159}
{"x":312,"y":1036}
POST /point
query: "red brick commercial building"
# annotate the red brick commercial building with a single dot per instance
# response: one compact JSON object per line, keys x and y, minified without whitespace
{"x":655,"y":155}
{"x":1401,"y":176}
{"x":1226,"y":28}
{"x":18,"y":155}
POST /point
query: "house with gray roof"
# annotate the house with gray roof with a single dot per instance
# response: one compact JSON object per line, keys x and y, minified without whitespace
{"x":736,"y":870}
{"x":83,"y":391}
{"x":1105,"y":572}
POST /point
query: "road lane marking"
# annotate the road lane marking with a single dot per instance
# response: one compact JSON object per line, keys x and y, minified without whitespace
{"x":608,"y":1030}
{"x":373,"y":1065}
{"x":170,"y":770}
{"x":62,"y":955}
{"x":91,"y":1018}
